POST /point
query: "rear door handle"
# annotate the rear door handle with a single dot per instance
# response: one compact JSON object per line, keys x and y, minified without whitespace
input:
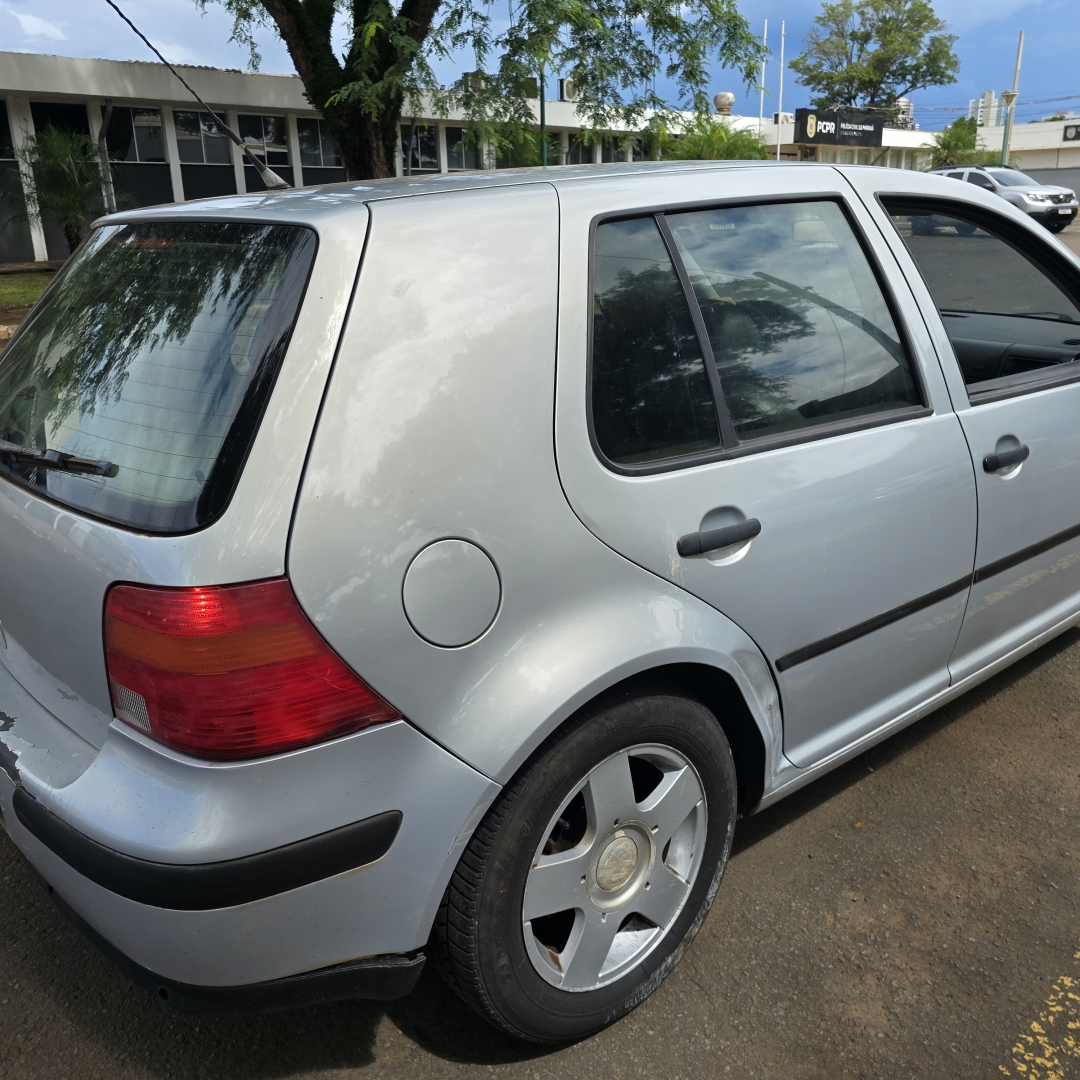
{"x":698,"y":542}
{"x":993,"y":462}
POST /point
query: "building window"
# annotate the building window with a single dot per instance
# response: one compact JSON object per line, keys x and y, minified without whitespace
{"x":613,"y":149}
{"x":200,"y":139}
{"x":419,"y":148}
{"x":316,"y":147}
{"x":896,"y":159}
{"x":6,"y":148}
{"x":62,"y":115}
{"x":828,"y":156}
{"x":135,"y":134}
{"x":578,"y":152}
{"x":461,"y":153}
{"x":265,"y":137}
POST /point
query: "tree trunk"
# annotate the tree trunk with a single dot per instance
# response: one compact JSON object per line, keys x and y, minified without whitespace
{"x":368,"y":147}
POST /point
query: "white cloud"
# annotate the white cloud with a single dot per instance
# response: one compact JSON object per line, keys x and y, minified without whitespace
{"x":33,"y":26}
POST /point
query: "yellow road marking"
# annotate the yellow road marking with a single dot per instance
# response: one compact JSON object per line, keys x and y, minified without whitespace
{"x":1044,"y":1051}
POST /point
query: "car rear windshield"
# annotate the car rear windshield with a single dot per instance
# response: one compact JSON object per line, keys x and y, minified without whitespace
{"x":152,"y":354}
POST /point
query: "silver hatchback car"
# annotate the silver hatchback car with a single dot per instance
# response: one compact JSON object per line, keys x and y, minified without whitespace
{"x":438,"y":568}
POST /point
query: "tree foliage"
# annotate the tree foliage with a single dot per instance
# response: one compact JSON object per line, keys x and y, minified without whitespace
{"x":66,"y":173}
{"x":960,"y":144}
{"x":614,"y":50}
{"x":711,"y":138}
{"x":868,"y":53}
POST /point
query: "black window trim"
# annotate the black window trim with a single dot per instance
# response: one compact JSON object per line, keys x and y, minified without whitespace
{"x":1010,"y":386}
{"x":180,"y":219}
{"x":766,"y":443}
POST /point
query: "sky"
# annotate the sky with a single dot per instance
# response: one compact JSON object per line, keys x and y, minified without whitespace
{"x":987,"y":33}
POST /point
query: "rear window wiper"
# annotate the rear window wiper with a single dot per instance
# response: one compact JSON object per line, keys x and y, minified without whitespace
{"x":56,"y":459}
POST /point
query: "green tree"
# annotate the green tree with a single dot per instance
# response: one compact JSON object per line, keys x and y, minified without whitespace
{"x":711,"y":138}
{"x":868,"y":53}
{"x":959,"y":144}
{"x":613,"y":50}
{"x":66,"y":174}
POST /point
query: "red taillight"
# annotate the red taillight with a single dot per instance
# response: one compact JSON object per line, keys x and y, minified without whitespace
{"x":229,"y":671}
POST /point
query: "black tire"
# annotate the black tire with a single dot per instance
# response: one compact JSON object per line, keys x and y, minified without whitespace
{"x":1057,"y":226}
{"x":479,"y":935}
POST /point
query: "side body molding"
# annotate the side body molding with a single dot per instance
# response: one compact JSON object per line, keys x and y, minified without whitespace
{"x":438,"y":423}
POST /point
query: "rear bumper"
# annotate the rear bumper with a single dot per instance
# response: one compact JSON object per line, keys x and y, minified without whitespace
{"x":377,"y":978}
{"x":208,"y":886}
{"x":243,"y":881}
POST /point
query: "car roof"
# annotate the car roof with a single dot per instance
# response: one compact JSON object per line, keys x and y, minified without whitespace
{"x":310,"y":205}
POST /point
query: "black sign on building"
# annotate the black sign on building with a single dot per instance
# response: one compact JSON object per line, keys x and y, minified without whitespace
{"x":1071,"y":133}
{"x":826,"y":128}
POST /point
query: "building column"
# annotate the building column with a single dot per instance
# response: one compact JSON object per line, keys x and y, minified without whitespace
{"x":293,"y":137}
{"x":22,"y":126}
{"x":444,"y":164}
{"x":238,"y":158}
{"x":172,"y":153}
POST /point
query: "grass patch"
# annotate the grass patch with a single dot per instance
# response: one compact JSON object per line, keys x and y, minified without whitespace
{"x":16,"y":289}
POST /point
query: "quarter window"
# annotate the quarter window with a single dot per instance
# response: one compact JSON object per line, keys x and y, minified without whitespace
{"x":650,"y":390}
{"x":799,"y":329}
{"x":1009,"y":321}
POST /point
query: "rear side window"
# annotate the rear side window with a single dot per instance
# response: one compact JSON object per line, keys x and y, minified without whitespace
{"x":650,"y":392}
{"x":155,"y":351}
{"x":799,"y":328}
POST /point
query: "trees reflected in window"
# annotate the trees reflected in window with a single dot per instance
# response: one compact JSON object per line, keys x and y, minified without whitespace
{"x":156,"y":349}
{"x":799,"y":328}
{"x":650,"y":392}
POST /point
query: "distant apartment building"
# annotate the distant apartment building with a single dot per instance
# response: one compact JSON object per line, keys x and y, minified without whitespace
{"x":987,"y":110}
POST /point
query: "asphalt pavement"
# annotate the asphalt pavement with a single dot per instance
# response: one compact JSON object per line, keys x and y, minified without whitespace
{"x":913,"y":914}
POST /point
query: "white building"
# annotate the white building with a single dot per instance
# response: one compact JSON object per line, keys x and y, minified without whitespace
{"x":167,"y":149}
{"x":987,"y":110}
{"x":1048,"y":150}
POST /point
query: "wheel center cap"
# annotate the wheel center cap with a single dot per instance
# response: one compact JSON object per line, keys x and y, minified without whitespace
{"x":617,"y":863}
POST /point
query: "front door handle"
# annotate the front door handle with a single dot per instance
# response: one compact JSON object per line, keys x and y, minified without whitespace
{"x":698,"y":542}
{"x":993,"y":462}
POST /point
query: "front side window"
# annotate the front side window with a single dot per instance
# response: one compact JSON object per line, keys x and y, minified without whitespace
{"x":1005,"y":315}
{"x":152,"y":355}
{"x":981,"y":180}
{"x":798,"y":325}
{"x":650,"y":390}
